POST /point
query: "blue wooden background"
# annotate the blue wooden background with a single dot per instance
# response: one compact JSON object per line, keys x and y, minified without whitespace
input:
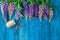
{"x":33,"y":29}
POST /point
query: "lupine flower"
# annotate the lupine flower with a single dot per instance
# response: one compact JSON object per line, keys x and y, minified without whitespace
{"x":10,"y":9}
{"x":49,"y":11}
{"x":50,"y":14}
{"x":26,"y":8}
{"x":45,"y":13}
{"x":5,"y":11}
{"x":18,"y":14}
{"x":31,"y":10}
{"x":36,"y":9}
{"x":40,"y":12}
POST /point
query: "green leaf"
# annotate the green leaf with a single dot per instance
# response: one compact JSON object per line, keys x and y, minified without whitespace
{"x":47,"y":0}
{"x":2,"y":0}
{"x":30,"y":1}
{"x":38,"y":0}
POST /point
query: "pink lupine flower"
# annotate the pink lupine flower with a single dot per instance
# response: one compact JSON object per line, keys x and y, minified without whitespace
{"x":50,"y":13}
{"x":40,"y":13}
{"x":11,"y":9}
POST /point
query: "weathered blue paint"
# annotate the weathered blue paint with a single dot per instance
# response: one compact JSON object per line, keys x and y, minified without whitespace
{"x":33,"y":29}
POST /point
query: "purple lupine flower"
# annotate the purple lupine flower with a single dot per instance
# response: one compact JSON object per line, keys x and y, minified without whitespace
{"x":45,"y":10}
{"x":36,"y":9}
{"x":26,"y":8}
{"x":5,"y":11}
{"x":18,"y":14}
{"x":5,"y":7}
{"x":31,"y":10}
